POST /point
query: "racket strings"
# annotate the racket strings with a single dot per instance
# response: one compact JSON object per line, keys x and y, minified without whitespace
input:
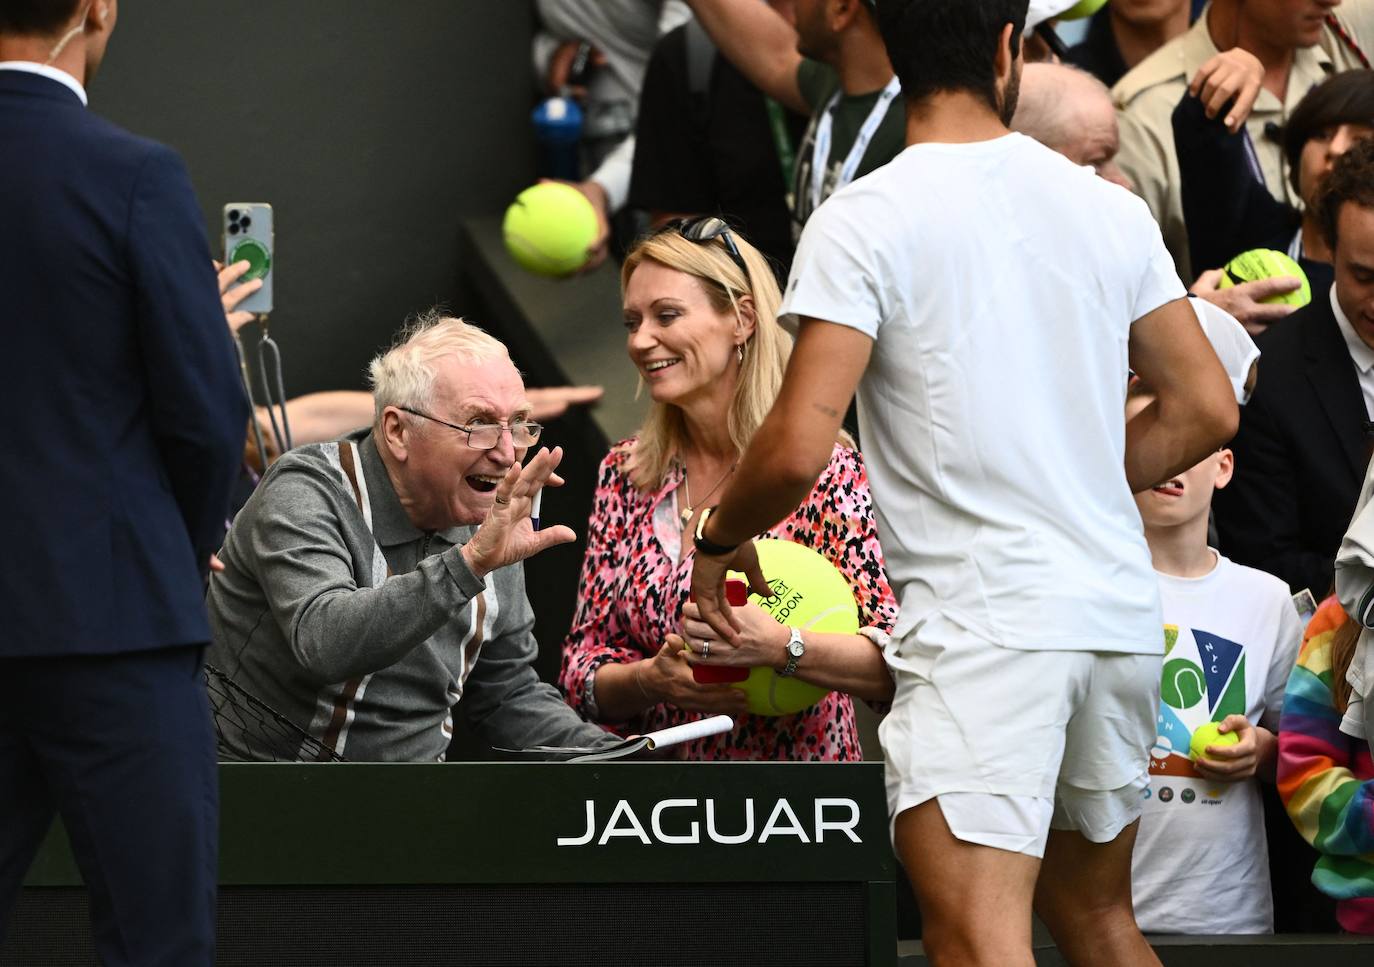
{"x":247,"y":728}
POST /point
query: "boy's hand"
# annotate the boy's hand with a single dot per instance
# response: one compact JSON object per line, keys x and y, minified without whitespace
{"x":1234,"y":763}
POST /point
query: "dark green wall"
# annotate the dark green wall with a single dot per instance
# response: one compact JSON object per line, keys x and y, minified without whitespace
{"x":372,"y":126}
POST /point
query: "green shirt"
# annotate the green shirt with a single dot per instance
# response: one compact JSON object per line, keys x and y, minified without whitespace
{"x":818,"y":83}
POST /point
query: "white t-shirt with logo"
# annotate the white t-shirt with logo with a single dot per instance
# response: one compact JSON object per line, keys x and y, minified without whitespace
{"x":999,"y":281}
{"x":1201,"y":865}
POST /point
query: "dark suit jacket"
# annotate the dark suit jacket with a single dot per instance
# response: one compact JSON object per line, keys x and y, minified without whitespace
{"x":1300,"y":453}
{"x":126,"y":414}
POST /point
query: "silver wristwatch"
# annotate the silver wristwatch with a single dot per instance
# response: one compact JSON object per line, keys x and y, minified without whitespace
{"x":796,"y":647}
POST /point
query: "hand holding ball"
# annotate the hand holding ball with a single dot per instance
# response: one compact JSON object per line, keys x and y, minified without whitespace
{"x":809,"y":593}
{"x":1266,"y":263}
{"x":1209,"y":734}
{"x":549,"y":228}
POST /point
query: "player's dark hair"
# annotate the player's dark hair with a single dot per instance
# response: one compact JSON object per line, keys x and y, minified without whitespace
{"x":937,"y":46}
{"x":1345,"y":98}
{"x":1351,"y":181}
{"x":35,"y":17}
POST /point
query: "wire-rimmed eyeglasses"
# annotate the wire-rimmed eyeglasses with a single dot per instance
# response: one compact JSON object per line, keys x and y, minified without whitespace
{"x":487,"y":436}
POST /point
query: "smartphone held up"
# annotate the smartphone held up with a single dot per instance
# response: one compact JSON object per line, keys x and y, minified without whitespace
{"x":248,"y":238}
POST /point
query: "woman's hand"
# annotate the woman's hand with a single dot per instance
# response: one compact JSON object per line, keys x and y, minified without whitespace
{"x":507,"y":535}
{"x":667,"y":677}
{"x":1233,"y":763}
{"x":759,"y":640}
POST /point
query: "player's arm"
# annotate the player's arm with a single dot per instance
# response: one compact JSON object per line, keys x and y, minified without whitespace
{"x":1194,"y":411}
{"x":761,"y":45}
{"x":782,"y":464}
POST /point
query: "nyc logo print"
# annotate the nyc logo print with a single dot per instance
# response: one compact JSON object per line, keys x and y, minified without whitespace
{"x":1203,"y":681}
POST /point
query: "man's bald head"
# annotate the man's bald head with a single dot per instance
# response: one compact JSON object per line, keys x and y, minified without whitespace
{"x":1070,"y":111}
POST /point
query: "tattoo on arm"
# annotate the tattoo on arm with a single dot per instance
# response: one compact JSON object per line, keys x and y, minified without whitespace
{"x":829,"y":411}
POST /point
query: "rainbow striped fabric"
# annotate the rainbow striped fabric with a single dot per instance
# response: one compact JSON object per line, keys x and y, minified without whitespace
{"x":1326,"y":779}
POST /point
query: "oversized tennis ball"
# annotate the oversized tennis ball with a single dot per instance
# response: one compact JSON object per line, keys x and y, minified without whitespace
{"x":548,"y":228}
{"x":1081,"y":9}
{"x":1265,"y":263}
{"x":809,"y":593}
{"x":1208,"y":734}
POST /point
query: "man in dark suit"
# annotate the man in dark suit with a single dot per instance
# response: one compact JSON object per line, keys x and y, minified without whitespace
{"x":126,"y":422}
{"x":1303,"y":446}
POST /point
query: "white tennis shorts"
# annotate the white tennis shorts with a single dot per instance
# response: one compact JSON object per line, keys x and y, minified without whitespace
{"x":1013,"y":743}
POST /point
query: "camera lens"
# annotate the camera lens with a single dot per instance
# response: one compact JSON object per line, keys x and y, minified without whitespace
{"x":233,"y":228}
{"x":233,"y":214}
{"x":246,"y":222}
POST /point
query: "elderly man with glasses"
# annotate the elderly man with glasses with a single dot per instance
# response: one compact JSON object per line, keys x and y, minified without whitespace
{"x":367,"y":589}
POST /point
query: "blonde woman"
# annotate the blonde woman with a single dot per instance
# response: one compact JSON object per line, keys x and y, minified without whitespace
{"x":700,"y":307}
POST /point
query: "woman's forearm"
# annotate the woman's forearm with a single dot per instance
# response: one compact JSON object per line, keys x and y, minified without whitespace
{"x":845,"y":663}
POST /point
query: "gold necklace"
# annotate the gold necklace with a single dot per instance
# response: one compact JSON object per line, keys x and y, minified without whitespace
{"x":691,"y":507}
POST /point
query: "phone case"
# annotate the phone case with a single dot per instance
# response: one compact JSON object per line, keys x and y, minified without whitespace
{"x":248,"y":236}
{"x":737,"y":594}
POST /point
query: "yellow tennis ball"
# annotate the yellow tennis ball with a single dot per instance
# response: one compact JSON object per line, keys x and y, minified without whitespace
{"x":809,"y":593}
{"x":1081,"y":9}
{"x":1265,"y":263}
{"x":549,"y":227}
{"x":1209,"y":734}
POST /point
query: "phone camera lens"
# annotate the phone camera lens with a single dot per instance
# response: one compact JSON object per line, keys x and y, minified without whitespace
{"x":245,"y":222}
{"x":233,"y":228}
{"x":233,"y":214}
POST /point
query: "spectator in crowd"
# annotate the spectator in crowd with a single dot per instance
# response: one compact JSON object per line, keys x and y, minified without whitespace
{"x":1201,"y":862}
{"x":832,"y":67}
{"x":997,"y":469}
{"x":1070,"y":111}
{"x":621,"y":33}
{"x":1299,"y":42}
{"x":1124,"y":32}
{"x":1325,"y":776}
{"x":701,"y":307}
{"x":356,"y":596}
{"x":1226,"y":206}
{"x":710,"y":143}
{"x":127,"y":422}
{"x":1303,"y":445}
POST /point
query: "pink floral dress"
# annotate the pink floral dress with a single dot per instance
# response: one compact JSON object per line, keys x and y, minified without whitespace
{"x":635,"y":579}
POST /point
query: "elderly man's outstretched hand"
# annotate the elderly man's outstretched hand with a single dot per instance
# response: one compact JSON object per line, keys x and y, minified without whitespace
{"x":508,"y":535}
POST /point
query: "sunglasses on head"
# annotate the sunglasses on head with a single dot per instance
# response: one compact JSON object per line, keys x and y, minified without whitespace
{"x":704,"y":230}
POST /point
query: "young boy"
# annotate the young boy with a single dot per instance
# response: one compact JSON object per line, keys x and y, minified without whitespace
{"x":1231,"y":633}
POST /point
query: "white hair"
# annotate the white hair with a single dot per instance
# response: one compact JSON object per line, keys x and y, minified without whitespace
{"x":404,"y":374}
{"x":1052,"y":101}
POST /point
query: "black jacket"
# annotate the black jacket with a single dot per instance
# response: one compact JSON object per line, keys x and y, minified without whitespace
{"x":1300,"y":453}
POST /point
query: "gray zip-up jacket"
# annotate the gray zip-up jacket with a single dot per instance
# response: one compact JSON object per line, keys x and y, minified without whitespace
{"x":366,"y":632}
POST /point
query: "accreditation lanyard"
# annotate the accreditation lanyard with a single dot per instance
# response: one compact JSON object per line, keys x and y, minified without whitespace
{"x":820,"y":151}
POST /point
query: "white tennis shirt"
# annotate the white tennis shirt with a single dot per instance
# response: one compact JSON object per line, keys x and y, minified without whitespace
{"x":999,"y":281}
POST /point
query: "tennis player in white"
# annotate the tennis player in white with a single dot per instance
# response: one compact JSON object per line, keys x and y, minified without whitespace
{"x":992,"y":295}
